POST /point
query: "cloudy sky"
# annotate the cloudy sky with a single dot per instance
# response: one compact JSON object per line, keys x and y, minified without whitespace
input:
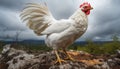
{"x":104,"y":20}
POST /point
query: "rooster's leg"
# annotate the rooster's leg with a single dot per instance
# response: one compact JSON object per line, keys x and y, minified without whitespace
{"x":58,"y":58}
{"x":68,"y":56}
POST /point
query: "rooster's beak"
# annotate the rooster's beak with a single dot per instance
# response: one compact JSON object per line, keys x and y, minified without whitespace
{"x":91,"y":8}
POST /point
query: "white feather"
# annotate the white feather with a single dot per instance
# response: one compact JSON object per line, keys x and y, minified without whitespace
{"x":57,"y":27}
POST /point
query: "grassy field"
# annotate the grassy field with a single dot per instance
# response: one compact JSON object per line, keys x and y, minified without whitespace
{"x":90,"y":47}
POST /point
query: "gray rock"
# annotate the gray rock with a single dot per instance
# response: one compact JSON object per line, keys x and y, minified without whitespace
{"x":118,"y":51}
{"x":6,"y":48}
{"x":0,"y":55}
{"x":18,"y":59}
{"x":118,"y":54}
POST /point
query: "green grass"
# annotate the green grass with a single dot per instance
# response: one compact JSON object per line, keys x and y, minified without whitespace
{"x":90,"y":47}
{"x":106,"y":48}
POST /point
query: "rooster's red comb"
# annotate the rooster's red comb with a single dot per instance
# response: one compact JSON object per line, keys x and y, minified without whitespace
{"x":85,"y":3}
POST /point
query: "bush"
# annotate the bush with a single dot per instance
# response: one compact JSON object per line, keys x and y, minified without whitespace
{"x":105,"y":48}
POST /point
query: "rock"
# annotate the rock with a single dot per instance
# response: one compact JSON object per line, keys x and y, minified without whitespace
{"x":114,"y":61}
{"x":118,"y":53}
{"x":18,"y":59}
{"x":104,"y":66}
{"x":12,"y":58}
{"x":0,"y":55}
{"x":6,"y":48}
{"x":70,"y":65}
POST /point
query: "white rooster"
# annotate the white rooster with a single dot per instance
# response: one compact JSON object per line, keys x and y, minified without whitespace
{"x":60,"y":33}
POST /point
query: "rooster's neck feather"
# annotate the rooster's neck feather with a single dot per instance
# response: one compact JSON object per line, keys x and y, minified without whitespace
{"x":79,"y":16}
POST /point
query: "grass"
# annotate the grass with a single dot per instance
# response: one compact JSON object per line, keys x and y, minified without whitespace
{"x":90,"y":47}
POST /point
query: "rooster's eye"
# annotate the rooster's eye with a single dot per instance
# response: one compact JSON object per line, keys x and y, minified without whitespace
{"x":85,"y":6}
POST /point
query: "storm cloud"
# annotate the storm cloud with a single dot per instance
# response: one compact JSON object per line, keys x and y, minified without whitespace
{"x":104,"y":20}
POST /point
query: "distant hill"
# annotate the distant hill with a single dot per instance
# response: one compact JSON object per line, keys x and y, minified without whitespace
{"x":96,"y":42}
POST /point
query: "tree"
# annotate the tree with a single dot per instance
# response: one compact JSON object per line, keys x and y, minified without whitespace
{"x":16,"y":36}
{"x":115,"y":38}
{"x":110,"y":48}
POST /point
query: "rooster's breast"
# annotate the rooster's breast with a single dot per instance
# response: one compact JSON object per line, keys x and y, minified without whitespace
{"x":64,"y":39}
